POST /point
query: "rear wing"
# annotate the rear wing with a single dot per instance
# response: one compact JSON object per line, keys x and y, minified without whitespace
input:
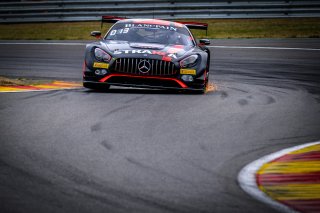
{"x":196,"y":25}
{"x":110,"y":19}
{"x":190,"y":25}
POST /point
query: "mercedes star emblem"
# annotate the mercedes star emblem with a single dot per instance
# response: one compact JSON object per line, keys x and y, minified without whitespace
{"x":144,"y":66}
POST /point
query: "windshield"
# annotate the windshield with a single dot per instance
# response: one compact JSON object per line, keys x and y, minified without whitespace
{"x":150,"y":33}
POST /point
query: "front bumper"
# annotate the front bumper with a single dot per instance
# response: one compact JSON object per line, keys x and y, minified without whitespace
{"x":156,"y":82}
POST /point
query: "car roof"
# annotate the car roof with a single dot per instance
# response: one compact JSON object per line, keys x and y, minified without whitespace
{"x":152,"y":21}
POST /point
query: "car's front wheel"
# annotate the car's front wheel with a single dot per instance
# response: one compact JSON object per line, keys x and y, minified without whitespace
{"x":205,"y":86}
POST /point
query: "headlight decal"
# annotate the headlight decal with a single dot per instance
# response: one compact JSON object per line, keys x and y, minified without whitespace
{"x":101,"y":55}
{"x":189,"y":61}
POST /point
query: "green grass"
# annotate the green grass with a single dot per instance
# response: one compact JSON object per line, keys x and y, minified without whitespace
{"x":49,"y":31}
{"x":4,"y":81}
{"x":218,"y":28}
{"x":263,"y":28}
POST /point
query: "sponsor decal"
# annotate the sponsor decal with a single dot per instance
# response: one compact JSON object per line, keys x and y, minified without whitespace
{"x":187,"y":72}
{"x":151,"y":26}
{"x":159,"y":22}
{"x":100,"y":65}
{"x":150,"y":52}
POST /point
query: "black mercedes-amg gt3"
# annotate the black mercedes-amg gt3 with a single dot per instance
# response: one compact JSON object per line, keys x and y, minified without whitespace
{"x":147,"y":53}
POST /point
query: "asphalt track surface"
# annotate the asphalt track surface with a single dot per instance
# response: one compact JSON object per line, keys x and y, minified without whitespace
{"x":133,"y":150}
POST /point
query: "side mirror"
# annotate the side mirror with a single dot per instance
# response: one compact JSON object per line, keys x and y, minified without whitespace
{"x":204,"y":42}
{"x":96,"y":34}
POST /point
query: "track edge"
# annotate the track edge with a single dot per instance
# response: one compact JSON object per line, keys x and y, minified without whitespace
{"x":247,"y":178}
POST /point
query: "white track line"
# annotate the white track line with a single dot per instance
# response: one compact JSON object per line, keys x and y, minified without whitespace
{"x":40,"y":43}
{"x":247,"y":178}
{"x":224,"y":47}
{"x":266,"y":48}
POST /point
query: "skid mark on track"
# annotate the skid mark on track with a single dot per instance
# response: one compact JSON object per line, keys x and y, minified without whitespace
{"x":103,"y":199}
{"x":51,"y":93}
{"x":136,"y":98}
{"x":291,"y":138}
{"x":243,"y":102}
{"x":203,"y":147}
{"x":250,"y":118}
{"x":237,"y":89}
{"x":106,"y":145}
{"x":89,"y":184}
{"x":270,"y":100}
{"x":16,"y":171}
{"x":115,"y":110}
{"x":223,"y":95}
{"x":157,"y":171}
{"x":96,"y":127}
{"x":260,"y":99}
{"x":137,"y":163}
{"x":56,"y":85}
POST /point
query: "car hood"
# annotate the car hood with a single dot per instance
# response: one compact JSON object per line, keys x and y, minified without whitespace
{"x":145,"y":50}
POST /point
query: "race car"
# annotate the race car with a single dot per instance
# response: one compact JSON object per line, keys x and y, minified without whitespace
{"x":147,"y":53}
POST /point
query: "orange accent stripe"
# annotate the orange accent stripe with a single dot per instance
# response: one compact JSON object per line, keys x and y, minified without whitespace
{"x":183,"y":85}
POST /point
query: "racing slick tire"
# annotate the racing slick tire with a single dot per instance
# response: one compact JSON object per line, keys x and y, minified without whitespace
{"x":205,"y":86}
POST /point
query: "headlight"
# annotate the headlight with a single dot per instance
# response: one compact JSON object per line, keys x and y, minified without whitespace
{"x":102,"y":55}
{"x":188,"y":61}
